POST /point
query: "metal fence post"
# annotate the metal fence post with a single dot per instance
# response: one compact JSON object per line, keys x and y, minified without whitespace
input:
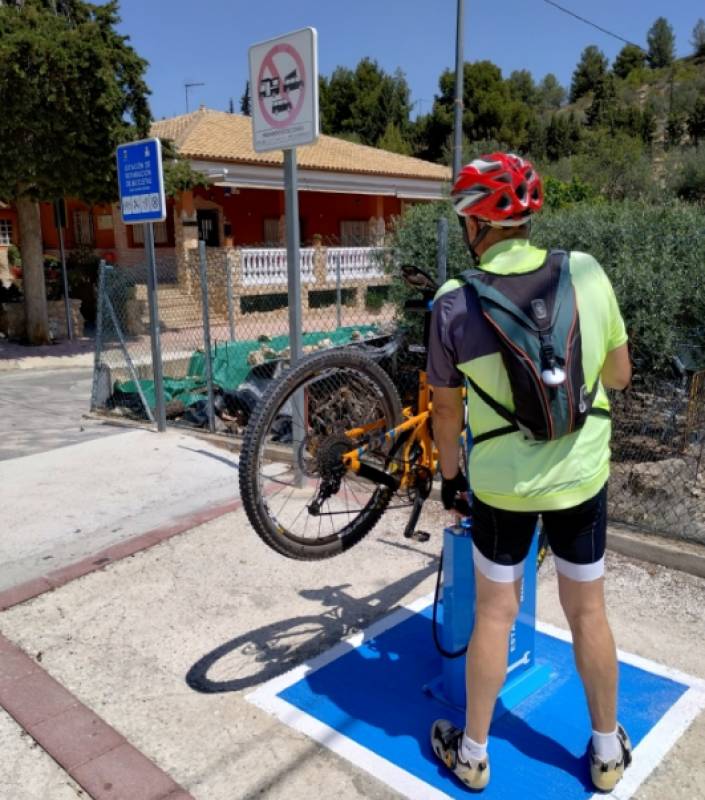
{"x":154,"y":327}
{"x":338,"y":293}
{"x":229,"y":294}
{"x":442,"y":251}
{"x":98,"y":333}
{"x":206,"y":334}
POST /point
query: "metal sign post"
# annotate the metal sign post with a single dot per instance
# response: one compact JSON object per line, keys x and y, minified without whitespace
{"x":142,"y":200}
{"x":284,"y":81}
{"x":293,"y":267}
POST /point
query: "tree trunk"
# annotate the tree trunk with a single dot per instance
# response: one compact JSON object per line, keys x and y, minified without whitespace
{"x":35,"y":294}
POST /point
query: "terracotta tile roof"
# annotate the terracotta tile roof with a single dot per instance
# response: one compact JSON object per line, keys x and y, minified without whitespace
{"x":219,"y":136}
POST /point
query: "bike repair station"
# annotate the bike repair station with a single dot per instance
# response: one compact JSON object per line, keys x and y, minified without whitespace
{"x":373,"y":698}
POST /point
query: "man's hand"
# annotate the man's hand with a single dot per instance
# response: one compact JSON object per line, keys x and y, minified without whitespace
{"x":451,"y":488}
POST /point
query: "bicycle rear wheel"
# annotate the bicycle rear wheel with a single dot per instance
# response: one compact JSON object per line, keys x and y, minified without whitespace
{"x":297,"y":493}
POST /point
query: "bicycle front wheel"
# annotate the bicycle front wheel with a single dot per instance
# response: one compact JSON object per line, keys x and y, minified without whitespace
{"x":298,"y":495}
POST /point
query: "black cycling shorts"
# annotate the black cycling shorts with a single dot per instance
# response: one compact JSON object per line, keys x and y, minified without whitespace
{"x":577,"y":535}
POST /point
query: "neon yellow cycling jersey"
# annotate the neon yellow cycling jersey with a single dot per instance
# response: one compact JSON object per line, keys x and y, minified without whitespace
{"x":512,"y":472}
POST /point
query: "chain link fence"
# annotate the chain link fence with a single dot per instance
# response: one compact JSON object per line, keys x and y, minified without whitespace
{"x":243,"y":325}
{"x":657,"y":480}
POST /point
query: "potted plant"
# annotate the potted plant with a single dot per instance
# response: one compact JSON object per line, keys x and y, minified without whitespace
{"x":14,"y":259}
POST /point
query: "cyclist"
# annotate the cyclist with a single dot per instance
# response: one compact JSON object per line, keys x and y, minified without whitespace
{"x":514,"y":478}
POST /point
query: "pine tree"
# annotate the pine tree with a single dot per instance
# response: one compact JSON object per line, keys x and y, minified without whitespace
{"x":696,"y":121}
{"x":662,"y":44}
{"x":603,"y":109}
{"x":675,"y":129}
{"x":698,"y":40}
{"x":245,"y":101}
{"x":629,"y":58}
{"x":551,"y":94}
{"x":588,"y":73}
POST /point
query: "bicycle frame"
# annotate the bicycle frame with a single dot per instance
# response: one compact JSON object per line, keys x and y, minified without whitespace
{"x":418,"y":423}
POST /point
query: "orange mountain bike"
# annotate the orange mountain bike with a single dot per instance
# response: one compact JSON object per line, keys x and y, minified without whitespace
{"x":331,"y":447}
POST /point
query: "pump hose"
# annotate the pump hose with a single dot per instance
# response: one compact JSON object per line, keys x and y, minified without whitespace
{"x":445,"y":653}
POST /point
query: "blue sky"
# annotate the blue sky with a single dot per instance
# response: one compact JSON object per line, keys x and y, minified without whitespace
{"x":207,"y":41}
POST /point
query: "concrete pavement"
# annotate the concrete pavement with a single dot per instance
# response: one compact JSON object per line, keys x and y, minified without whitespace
{"x":68,"y":503}
{"x":164,"y":647}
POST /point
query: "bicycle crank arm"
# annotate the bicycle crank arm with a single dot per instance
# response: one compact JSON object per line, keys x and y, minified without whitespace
{"x":410,"y":531}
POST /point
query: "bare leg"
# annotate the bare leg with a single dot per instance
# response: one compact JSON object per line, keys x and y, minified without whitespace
{"x":595,"y":654}
{"x":497,"y":605}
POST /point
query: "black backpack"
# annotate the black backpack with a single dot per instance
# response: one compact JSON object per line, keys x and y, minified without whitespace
{"x":535,"y":317}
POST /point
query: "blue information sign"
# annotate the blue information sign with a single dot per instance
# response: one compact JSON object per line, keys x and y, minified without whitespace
{"x":141,"y":181}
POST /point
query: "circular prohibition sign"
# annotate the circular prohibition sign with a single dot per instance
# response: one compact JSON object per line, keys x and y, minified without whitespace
{"x":274,"y":93}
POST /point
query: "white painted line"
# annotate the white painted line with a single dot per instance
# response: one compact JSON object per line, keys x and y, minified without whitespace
{"x":653,"y":748}
{"x":647,"y":755}
{"x":629,"y":658}
{"x":399,"y":779}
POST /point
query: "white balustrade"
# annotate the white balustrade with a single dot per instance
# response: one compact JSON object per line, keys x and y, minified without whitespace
{"x":356,"y":263}
{"x":266,"y":266}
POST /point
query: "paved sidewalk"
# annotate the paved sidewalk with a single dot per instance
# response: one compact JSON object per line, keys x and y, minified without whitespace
{"x":67,"y":504}
{"x":164,"y":647}
{"x":76,"y":354}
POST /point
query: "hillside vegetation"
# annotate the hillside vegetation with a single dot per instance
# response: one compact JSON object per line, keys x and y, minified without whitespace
{"x":631,"y":129}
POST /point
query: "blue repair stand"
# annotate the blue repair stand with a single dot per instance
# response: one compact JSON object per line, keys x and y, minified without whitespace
{"x":456,"y":614}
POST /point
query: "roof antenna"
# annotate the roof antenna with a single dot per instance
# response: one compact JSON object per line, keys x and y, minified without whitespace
{"x":188,"y":85}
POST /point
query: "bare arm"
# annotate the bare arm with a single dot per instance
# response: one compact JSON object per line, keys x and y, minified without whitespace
{"x":617,"y":369}
{"x":447,"y":427}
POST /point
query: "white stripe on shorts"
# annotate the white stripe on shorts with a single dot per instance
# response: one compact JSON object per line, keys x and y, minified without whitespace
{"x":580,"y":572}
{"x":500,"y":573}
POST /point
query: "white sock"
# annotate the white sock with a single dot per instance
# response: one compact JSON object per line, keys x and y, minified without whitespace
{"x":606,"y":745}
{"x":472,"y":750}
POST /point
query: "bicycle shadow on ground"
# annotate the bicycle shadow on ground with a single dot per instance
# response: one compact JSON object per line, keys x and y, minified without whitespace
{"x":259,"y":655}
{"x":223,"y":460}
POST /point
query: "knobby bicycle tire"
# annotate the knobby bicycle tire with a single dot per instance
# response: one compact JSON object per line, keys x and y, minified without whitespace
{"x":317,"y":368}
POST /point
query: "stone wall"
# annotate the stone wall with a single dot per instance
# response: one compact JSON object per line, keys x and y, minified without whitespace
{"x":12,"y":319}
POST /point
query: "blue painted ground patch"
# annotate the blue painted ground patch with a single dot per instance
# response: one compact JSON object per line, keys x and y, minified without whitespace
{"x":372,"y":694}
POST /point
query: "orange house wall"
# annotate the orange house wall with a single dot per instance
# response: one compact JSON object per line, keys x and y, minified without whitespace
{"x":246,"y":210}
{"x":104,"y":240}
{"x":319,"y":212}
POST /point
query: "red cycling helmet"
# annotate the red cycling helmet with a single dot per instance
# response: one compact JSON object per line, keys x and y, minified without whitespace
{"x":501,"y":188}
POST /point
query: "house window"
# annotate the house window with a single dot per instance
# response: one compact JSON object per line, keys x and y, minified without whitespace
{"x":83,"y":227}
{"x":5,"y":231}
{"x":354,"y":233}
{"x":161,"y":235}
{"x":271,"y":232}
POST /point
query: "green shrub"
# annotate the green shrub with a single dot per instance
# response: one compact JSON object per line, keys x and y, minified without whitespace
{"x":653,"y":256}
{"x":562,"y":194}
{"x":82,"y":272}
{"x":376,"y":297}
{"x":321,"y":298}
{"x":686,"y":174}
{"x":414,"y":241}
{"x":14,"y":258}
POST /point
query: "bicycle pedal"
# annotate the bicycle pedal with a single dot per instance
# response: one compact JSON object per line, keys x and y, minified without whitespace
{"x":420,"y":536}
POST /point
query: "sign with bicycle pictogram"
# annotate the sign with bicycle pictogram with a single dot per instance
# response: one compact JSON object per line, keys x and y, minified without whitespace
{"x":141,"y":181}
{"x":284,"y":90}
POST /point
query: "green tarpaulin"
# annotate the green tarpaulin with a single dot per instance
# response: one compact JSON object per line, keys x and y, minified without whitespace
{"x":230,"y":367}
